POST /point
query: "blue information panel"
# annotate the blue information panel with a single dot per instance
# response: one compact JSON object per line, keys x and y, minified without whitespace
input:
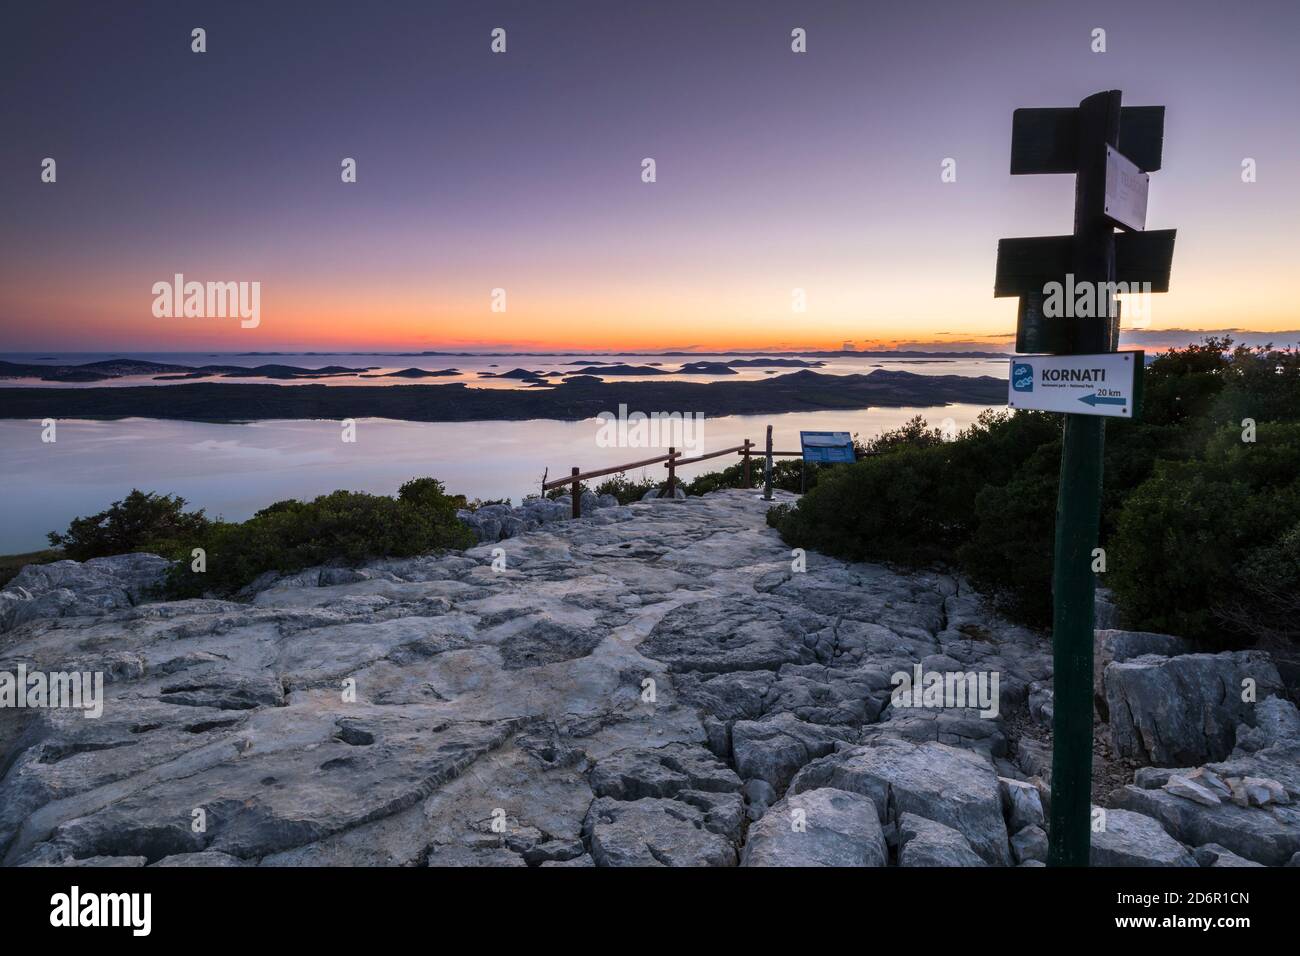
{"x":827,"y":446}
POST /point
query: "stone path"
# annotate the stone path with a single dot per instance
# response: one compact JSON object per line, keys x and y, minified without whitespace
{"x":650,"y":685}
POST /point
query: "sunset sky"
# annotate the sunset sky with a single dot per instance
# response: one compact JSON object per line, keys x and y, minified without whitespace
{"x":522,"y":171}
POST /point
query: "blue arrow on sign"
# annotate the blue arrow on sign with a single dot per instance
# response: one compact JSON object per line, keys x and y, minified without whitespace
{"x":1096,"y":400}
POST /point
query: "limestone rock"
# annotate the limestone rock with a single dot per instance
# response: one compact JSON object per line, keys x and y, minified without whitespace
{"x":1105,"y":611}
{"x":661,"y":772}
{"x":1176,"y":711}
{"x":395,"y":713}
{"x":1021,"y":804}
{"x":1132,"y":839}
{"x":653,"y":832}
{"x":1030,"y":844}
{"x":1214,"y":855}
{"x":1110,"y":646}
{"x":955,"y":726}
{"x":1181,"y":786}
{"x":457,"y":856}
{"x":775,"y":748}
{"x":927,"y":843}
{"x":203,"y":858}
{"x":824,"y":827}
{"x":1267,"y":837}
{"x":76,"y":588}
{"x":955,"y":787}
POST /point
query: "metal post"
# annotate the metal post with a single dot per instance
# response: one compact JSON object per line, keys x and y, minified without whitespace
{"x":672,"y":470}
{"x":577,"y":498}
{"x":1078,"y":509}
{"x":767,"y":468}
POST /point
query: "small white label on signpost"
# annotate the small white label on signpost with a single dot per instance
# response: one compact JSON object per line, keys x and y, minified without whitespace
{"x":1126,"y":190}
{"x":1102,"y":384}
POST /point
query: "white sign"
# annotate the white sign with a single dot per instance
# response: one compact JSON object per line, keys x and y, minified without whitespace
{"x":1103,"y":384}
{"x":1126,"y":190}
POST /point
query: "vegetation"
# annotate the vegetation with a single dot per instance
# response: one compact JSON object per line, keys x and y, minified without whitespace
{"x":625,"y":489}
{"x":341,"y":527}
{"x":1200,"y":515}
{"x":1213,"y":541}
{"x":139,"y":522}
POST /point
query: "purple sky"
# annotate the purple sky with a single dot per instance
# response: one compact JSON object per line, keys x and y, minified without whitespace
{"x":776,"y":170}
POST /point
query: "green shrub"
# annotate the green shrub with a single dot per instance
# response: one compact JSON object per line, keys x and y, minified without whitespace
{"x":914,"y":433}
{"x":984,"y":503}
{"x":1199,"y":526}
{"x":430,"y":497}
{"x":562,"y":490}
{"x":625,"y":489}
{"x":1008,"y":555}
{"x":732,"y":476}
{"x":476,"y":503}
{"x":1185,"y":535}
{"x":915,"y":501}
{"x":139,"y":522}
{"x":1266,"y":603}
{"x":342,"y":527}
{"x":881,"y":509}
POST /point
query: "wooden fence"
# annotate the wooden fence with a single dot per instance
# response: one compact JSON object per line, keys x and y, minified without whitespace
{"x":672,"y":461}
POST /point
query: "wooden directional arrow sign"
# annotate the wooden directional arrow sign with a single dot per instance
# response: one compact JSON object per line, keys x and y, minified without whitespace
{"x":1047,"y":140}
{"x":1106,"y":384}
{"x":1025,"y":265}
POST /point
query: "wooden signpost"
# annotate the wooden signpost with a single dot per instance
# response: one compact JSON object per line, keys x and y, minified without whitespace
{"x":1110,"y":149}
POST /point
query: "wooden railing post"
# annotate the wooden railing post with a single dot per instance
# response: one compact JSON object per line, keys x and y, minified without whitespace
{"x":577,"y":498}
{"x":767,"y":468}
{"x":672,"y":470}
{"x":748,"y":483}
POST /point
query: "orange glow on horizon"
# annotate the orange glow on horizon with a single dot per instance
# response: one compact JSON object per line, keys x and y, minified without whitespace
{"x":306,"y":317}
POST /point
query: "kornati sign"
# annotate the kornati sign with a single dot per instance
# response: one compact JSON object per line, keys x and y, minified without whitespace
{"x":1106,"y":384}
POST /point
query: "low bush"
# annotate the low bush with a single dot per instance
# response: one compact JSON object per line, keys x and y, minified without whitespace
{"x":142,"y":521}
{"x":561,"y":491}
{"x":341,"y":527}
{"x":1201,"y":546}
{"x":912,"y":502}
{"x":345,"y":527}
{"x":1200,"y":508}
{"x":624,"y":488}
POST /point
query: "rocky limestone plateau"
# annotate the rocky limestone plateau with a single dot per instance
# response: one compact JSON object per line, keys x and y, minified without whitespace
{"x":649,"y":685}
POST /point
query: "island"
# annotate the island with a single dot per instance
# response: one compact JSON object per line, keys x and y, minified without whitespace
{"x":573,"y":399}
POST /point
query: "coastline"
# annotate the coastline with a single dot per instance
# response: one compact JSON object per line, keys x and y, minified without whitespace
{"x":571,"y":400}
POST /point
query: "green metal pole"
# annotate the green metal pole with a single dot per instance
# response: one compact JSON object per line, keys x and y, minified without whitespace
{"x":1078,"y":512}
{"x":1078,"y":509}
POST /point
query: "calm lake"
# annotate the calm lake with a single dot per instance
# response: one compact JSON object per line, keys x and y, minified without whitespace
{"x":234,"y":470}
